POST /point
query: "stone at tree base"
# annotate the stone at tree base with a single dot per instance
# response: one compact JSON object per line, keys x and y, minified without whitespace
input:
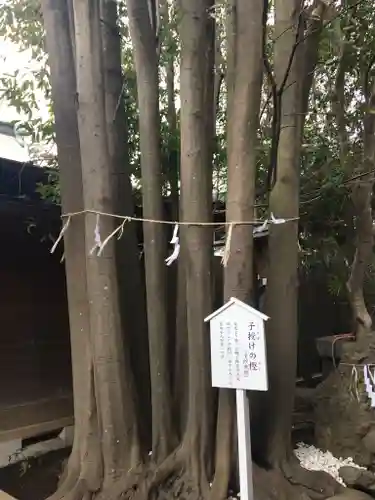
{"x":369,"y":441}
{"x":343,"y":416}
{"x":341,"y":421}
{"x":350,"y":494}
{"x":358,"y":478}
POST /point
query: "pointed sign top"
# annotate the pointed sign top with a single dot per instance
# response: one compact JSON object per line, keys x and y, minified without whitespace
{"x":233,"y":301}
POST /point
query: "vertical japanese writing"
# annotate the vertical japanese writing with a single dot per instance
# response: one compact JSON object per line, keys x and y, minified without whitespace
{"x":228,"y":328}
{"x":222,"y":339}
{"x":251,"y":356}
{"x":237,"y":352}
{"x":246,"y":366}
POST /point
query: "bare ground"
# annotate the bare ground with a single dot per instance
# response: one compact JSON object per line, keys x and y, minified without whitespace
{"x":35,"y":479}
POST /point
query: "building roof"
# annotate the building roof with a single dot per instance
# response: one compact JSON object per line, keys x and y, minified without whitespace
{"x":220,"y":244}
{"x":20,"y":200}
{"x":233,"y":301}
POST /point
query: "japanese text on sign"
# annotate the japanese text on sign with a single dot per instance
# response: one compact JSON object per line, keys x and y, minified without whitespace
{"x":238,"y":356}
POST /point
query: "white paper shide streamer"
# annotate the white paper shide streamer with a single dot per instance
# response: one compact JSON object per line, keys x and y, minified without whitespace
{"x":228,"y":242}
{"x":257,"y":229}
{"x":176,"y":250}
{"x":97,"y":238}
{"x":60,"y":237}
{"x":354,"y":382}
{"x":261,"y":228}
{"x":267,"y":222}
{"x":276,"y":221}
{"x":369,"y":384}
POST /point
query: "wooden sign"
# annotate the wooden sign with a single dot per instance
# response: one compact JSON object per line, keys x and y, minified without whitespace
{"x":238,"y":349}
{"x":238,"y":361}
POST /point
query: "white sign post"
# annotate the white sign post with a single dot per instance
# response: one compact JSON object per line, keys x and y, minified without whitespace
{"x":238,"y":361}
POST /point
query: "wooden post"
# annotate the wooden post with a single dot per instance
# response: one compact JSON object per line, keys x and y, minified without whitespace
{"x":244,"y":446}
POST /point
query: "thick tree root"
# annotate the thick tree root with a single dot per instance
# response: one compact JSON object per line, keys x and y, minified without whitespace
{"x":67,"y":484}
{"x":173,"y":479}
{"x":168,"y":480}
{"x":78,"y":491}
{"x":291,"y":482}
{"x":316,"y":484}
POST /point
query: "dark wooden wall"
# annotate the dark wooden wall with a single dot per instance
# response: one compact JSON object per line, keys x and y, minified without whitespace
{"x":34,"y":332}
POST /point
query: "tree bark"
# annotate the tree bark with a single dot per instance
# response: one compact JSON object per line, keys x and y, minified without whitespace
{"x":176,"y":273}
{"x":181,"y":369}
{"x":114,"y":390}
{"x":243,"y":123}
{"x":197,"y":54}
{"x":362,"y":190}
{"x":131,"y":288}
{"x":63,"y":81}
{"x":146,"y":61}
{"x":282,"y":284}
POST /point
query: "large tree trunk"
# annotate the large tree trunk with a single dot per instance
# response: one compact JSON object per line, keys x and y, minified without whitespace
{"x":131,"y":289}
{"x":114,"y":392}
{"x":243,"y":126}
{"x":143,"y":33}
{"x":61,"y":61}
{"x":282,"y":285}
{"x":243,"y":122}
{"x":197,"y":54}
{"x":362,"y":200}
{"x":177,"y":272}
{"x":181,"y":367}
